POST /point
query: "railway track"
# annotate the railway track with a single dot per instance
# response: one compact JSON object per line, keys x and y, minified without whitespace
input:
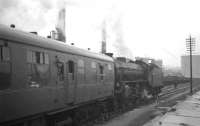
{"x":173,"y":91}
{"x":180,"y":89}
{"x":167,"y":92}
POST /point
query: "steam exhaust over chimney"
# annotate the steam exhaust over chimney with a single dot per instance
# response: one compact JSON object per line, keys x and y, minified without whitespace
{"x":103,"y":43}
{"x":60,"y":28}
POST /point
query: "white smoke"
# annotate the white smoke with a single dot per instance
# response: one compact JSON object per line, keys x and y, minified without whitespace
{"x":31,"y":15}
{"x":42,"y":16}
{"x":119,"y":44}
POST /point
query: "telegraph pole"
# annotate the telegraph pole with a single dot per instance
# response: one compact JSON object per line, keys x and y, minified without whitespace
{"x":190,"y":45}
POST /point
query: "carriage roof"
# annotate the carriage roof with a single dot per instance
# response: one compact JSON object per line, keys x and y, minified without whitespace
{"x":17,"y":36}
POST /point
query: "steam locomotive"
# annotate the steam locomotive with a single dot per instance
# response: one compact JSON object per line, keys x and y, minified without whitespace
{"x":47,"y":82}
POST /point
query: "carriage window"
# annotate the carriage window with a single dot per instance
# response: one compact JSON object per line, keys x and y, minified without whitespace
{"x":5,"y":75}
{"x":5,"y":53}
{"x":71,"y":68}
{"x":101,"y":70}
{"x":37,"y":57}
{"x":33,"y":57}
{"x":60,"y":66}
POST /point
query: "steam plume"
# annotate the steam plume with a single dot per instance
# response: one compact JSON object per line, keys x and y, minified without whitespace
{"x":119,"y":45}
{"x":31,"y":15}
{"x":61,"y":25}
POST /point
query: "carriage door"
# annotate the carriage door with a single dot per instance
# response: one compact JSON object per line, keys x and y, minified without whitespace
{"x":5,"y":66}
{"x":71,"y":80}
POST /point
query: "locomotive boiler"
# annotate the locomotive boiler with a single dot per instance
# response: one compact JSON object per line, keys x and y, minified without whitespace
{"x":128,"y":71}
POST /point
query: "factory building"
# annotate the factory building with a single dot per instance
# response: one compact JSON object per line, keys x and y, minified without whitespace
{"x":185,"y":66}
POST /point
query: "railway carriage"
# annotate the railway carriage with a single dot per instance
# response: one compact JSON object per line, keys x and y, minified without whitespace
{"x":41,"y":77}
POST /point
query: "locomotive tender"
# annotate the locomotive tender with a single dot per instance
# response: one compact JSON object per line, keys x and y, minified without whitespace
{"x":47,"y":82}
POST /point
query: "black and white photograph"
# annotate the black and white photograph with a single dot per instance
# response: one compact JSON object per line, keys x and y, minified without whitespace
{"x":99,"y":63}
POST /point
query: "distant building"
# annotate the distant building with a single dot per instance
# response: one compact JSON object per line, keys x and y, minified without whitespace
{"x":185,"y":66}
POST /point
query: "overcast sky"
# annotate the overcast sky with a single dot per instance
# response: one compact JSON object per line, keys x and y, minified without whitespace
{"x":146,"y":28}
